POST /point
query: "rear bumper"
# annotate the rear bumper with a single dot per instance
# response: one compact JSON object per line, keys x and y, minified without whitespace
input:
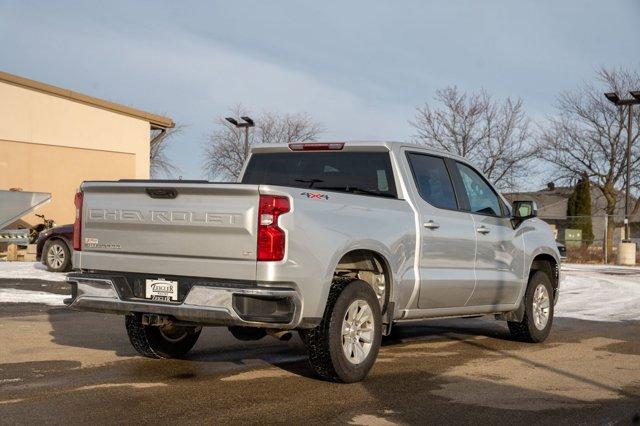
{"x":205,"y":305}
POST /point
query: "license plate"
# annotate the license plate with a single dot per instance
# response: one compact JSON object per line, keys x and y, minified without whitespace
{"x":162,"y":290}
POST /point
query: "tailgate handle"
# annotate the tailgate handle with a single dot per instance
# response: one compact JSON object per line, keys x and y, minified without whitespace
{"x":161,"y":192}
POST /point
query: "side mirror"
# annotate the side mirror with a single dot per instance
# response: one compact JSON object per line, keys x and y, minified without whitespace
{"x":523,"y":210}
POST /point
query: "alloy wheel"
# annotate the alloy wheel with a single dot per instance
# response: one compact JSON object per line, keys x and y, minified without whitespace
{"x":357,"y":331}
{"x":55,"y":256}
{"x":541,"y":307}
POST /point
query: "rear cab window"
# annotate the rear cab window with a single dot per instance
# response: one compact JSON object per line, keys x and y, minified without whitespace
{"x":363,"y":173}
{"x":432,"y":180}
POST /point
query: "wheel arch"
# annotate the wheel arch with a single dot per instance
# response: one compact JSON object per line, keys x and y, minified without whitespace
{"x":58,"y":238}
{"x":546,"y":263}
{"x":549,"y":265}
{"x":368,"y":264}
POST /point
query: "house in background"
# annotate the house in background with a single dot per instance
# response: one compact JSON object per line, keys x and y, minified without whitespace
{"x":552,"y":208}
{"x":52,"y":139}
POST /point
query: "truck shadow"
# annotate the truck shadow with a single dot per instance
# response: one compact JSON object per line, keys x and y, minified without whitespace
{"x":430,"y":329}
{"x":90,"y":331}
{"x":107,"y":332}
{"x":217,"y":346}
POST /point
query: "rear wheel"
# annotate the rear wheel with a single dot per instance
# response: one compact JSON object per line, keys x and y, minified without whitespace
{"x":164,"y":341}
{"x":345,"y":345}
{"x":57,"y":256}
{"x":538,"y":311}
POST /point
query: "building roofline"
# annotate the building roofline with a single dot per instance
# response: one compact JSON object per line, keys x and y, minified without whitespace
{"x":156,"y":121}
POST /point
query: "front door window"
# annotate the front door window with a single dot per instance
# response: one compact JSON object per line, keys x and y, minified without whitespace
{"x":482,"y":199}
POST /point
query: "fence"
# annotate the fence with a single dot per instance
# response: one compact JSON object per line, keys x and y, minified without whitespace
{"x":598,"y":246}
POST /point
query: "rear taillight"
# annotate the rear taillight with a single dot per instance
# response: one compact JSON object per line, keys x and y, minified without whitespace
{"x":77,"y":225}
{"x":271,"y":239}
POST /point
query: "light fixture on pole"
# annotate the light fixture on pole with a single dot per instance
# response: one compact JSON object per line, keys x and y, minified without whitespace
{"x":629,"y":103}
{"x":247,"y":122}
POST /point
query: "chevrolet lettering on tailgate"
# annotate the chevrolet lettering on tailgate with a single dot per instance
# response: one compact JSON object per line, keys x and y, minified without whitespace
{"x":164,"y":216}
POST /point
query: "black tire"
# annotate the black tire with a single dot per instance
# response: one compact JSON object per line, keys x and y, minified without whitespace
{"x":324,"y":342}
{"x":152,"y":342}
{"x":53,"y":250}
{"x":526,"y":330}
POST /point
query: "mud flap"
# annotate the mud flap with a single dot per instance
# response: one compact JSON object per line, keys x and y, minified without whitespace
{"x":387,"y":319}
{"x":514,"y":316}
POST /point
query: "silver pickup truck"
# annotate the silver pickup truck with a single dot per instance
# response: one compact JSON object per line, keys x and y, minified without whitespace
{"x":338,"y":241}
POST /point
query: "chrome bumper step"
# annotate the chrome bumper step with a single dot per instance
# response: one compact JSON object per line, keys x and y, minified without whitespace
{"x":203,"y":304}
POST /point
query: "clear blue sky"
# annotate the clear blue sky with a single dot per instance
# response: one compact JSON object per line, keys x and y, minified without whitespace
{"x":359,"y":67}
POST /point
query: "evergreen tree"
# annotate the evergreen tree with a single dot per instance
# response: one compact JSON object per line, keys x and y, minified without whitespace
{"x":579,"y":208}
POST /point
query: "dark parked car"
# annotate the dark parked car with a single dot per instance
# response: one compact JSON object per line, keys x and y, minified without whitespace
{"x":54,"y":248}
{"x":563,"y":251}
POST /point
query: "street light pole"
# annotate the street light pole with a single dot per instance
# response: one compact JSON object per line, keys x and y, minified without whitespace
{"x":248,"y":122}
{"x":246,"y":141}
{"x":615,"y":99}
{"x":627,"y":233}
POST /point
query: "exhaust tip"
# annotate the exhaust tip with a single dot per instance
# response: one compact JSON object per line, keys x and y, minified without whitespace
{"x":282,"y":335}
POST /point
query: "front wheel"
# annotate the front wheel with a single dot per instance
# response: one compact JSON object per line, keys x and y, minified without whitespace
{"x":538,"y":311}
{"x":165,"y":341}
{"x":345,"y":345}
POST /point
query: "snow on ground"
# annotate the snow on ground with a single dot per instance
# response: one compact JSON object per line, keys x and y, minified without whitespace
{"x":28,"y":270}
{"x":599,"y":293}
{"x":587,"y":292}
{"x":13,"y":295}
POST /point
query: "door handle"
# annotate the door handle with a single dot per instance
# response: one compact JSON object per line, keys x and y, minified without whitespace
{"x":483,"y":230}
{"x":431,"y":225}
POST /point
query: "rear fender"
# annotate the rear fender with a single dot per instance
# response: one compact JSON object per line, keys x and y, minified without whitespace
{"x":370,"y":245}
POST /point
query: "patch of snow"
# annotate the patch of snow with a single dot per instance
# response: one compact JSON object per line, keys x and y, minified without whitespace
{"x":12,"y":401}
{"x":29,"y":270}
{"x":598,"y":268}
{"x":258,"y":374}
{"x":599,"y":293}
{"x":13,"y":295}
{"x":370,"y":419}
{"x":117,"y":385}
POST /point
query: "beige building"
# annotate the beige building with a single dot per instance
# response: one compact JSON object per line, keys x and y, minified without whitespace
{"x":51,"y":139}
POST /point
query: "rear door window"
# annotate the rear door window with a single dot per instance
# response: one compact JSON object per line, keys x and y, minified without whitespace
{"x":433,"y":180}
{"x":365,"y":173}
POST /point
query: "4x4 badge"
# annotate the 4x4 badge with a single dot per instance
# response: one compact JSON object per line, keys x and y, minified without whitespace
{"x":315,"y":195}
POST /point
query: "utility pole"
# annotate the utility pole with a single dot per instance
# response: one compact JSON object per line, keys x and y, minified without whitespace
{"x":247,"y":122}
{"x":629,"y":103}
{"x":627,"y":233}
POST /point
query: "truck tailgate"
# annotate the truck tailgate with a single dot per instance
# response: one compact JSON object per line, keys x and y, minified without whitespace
{"x":192,"y":229}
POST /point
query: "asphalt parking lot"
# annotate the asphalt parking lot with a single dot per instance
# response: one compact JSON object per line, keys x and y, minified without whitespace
{"x":59,"y":366}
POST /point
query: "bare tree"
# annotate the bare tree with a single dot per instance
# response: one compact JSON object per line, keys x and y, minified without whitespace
{"x":495,"y":136}
{"x":588,"y":135}
{"x":160,"y":164}
{"x":224,"y":150}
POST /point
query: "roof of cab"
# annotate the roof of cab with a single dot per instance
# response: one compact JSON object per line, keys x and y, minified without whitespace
{"x":389,"y":145}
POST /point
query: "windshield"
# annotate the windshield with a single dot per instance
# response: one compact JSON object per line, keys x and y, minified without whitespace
{"x":367,"y":173}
